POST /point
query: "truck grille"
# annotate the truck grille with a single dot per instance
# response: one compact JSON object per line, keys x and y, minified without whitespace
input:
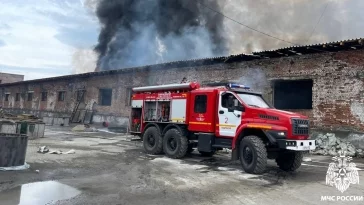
{"x":268,"y":117}
{"x":300,"y":127}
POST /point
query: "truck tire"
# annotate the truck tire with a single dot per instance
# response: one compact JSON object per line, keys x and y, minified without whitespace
{"x":175,"y":145}
{"x":253,"y":155}
{"x":289,"y":161}
{"x":152,"y":141}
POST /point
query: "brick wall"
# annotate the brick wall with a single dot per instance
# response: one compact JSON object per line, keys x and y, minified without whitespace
{"x":338,"y":97}
{"x":10,"y":78}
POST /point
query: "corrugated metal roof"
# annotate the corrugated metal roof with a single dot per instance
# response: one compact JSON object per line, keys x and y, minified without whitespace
{"x":335,"y":46}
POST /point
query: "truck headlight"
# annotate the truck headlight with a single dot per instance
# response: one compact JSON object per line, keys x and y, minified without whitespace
{"x":277,"y":134}
{"x":281,"y":133}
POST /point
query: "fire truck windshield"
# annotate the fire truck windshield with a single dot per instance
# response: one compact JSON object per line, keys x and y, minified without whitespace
{"x":253,"y":100}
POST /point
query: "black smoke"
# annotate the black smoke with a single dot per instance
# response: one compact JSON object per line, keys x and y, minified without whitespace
{"x":143,"y":32}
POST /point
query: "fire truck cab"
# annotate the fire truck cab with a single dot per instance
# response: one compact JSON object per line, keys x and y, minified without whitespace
{"x":175,"y":119}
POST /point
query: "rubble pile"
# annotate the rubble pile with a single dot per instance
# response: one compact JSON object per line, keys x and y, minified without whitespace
{"x":329,"y":144}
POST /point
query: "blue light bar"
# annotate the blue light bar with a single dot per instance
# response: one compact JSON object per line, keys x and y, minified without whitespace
{"x":231,"y":85}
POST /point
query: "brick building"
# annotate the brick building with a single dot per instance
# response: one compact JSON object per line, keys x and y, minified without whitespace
{"x":10,"y":78}
{"x":323,"y":81}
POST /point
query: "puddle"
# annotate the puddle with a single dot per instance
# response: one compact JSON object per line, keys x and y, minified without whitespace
{"x":39,"y":193}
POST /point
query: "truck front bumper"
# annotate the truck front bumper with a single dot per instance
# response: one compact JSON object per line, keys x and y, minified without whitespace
{"x":297,"y":145}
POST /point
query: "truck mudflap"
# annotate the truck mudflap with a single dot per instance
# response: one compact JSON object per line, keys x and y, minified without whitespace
{"x":297,"y":145}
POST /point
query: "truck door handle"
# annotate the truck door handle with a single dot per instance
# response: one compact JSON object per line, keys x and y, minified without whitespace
{"x":221,"y":112}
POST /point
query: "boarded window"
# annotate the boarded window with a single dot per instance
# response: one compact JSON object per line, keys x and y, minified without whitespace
{"x":61,"y":95}
{"x":17,"y":97}
{"x":105,"y":97}
{"x":30,"y":96}
{"x":200,"y":103}
{"x":293,"y":94}
{"x":80,"y":95}
{"x":44,"y":96}
{"x":7,"y":97}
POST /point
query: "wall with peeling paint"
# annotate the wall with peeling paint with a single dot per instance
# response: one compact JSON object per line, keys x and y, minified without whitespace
{"x":338,"y":94}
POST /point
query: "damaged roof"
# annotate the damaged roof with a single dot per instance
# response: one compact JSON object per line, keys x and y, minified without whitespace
{"x":351,"y":44}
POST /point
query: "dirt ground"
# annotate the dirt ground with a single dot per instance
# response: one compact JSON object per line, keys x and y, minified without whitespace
{"x":108,"y":169}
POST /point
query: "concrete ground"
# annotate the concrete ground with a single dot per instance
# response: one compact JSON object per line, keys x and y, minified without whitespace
{"x":107,"y":169}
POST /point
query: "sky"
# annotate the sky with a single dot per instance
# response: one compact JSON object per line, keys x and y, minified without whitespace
{"x":46,"y":38}
{"x":40,"y":38}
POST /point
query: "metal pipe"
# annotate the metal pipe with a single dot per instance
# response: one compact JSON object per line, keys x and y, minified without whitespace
{"x":188,"y":86}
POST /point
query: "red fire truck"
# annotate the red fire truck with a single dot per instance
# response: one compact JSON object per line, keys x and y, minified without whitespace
{"x":175,"y":119}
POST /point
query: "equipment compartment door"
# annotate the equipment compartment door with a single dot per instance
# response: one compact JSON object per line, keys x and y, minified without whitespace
{"x":201,"y":118}
{"x":228,"y":122}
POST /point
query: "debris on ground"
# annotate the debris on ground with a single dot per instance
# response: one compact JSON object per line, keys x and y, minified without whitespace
{"x":72,"y":151}
{"x":79,"y":128}
{"x":43,"y":149}
{"x":329,"y":144}
{"x":84,"y":128}
{"x":55,"y":152}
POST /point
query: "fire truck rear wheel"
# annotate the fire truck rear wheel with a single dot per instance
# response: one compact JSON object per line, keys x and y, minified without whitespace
{"x":289,"y":161}
{"x":152,"y":141}
{"x":175,"y":145}
{"x":253,"y":155}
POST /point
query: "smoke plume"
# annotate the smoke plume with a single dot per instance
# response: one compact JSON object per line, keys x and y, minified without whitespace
{"x":142,"y":32}
{"x":255,"y":78}
{"x":83,"y":61}
{"x":296,"y":21}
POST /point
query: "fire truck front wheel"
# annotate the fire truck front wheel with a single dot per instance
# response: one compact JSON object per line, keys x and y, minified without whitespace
{"x":289,"y":160}
{"x":175,"y":145}
{"x":152,"y":141}
{"x":253,"y":155}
